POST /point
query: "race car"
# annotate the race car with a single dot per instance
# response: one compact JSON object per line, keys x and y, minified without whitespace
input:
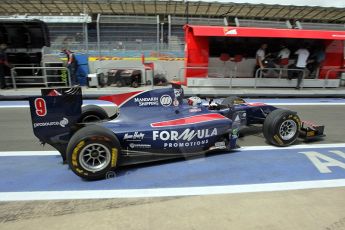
{"x":152,"y":125}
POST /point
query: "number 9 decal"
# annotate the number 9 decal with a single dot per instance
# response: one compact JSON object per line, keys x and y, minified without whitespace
{"x":40,"y":106}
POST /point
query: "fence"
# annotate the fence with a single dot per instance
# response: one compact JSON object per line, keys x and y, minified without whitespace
{"x":212,"y":77}
{"x":334,"y":70}
{"x":44,"y":79}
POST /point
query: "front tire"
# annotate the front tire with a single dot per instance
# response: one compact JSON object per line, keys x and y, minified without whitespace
{"x":281,"y":127}
{"x":93,"y":152}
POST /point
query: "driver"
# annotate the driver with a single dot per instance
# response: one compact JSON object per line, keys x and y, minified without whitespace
{"x":194,"y":101}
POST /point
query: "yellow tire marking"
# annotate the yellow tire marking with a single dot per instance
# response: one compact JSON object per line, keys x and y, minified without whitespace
{"x":75,"y":153}
{"x":114,"y":154}
{"x":278,"y":140}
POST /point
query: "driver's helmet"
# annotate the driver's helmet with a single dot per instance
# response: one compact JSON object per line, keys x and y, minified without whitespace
{"x":194,"y":101}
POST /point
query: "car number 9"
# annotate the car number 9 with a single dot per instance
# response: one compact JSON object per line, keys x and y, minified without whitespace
{"x":40,"y":106}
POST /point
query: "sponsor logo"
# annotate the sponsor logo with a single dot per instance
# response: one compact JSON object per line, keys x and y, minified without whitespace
{"x":234,"y":133}
{"x":136,"y":136}
{"x":147,"y":101}
{"x":186,"y":135}
{"x":139,"y":146}
{"x":63,"y":123}
{"x":166,"y":100}
{"x":178,"y":92}
{"x":231,"y":32}
{"x":185,"y":144}
{"x":176,"y":103}
{"x":195,"y":110}
{"x":187,"y":138}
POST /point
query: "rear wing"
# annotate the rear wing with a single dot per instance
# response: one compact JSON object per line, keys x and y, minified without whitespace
{"x":54,"y":115}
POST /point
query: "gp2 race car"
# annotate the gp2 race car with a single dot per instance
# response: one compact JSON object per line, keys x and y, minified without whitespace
{"x":152,"y":125}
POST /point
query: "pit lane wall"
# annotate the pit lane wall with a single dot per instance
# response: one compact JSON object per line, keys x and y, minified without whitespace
{"x":176,"y":69}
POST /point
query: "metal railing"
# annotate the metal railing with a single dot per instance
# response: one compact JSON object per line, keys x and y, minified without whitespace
{"x":279,"y":75}
{"x":226,"y":73}
{"x":329,"y":71}
{"x":65,"y":79}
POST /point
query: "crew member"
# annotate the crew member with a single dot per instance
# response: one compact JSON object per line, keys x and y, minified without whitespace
{"x":301,"y":63}
{"x":72,"y":65}
{"x":260,"y":57}
{"x":283,"y":56}
{"x":317,"y":58}
{"x":3,"y":63}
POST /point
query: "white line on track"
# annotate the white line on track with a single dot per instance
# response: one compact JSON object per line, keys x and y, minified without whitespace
{"x":13,"y":106}
{"x":27,"y":106}
{"x":303,"y":146}
{"x":249,"y":148}
{"x":274,"y":104}
{"x":28,"y":153}
{"x":165,"y":192}
{"x":307,"y":103}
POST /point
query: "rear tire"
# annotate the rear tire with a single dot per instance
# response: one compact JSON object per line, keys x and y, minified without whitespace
{"x":135,"y":84}
{"x":93,"y":152}
{"x":119,"y":84}
{"x":232,"y":100}
{"x":281,"y":127}
{"x":92,"y":113}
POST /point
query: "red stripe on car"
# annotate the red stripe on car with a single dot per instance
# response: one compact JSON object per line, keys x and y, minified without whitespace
{"x":255,"y":104}
{"x":119,"y":99}
{"x":190,"y":120}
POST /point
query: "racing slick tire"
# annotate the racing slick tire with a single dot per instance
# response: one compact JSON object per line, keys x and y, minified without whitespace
{"x":92,"y":113}
{"x":135,"y":84}
{"x":93,"y":152}
{"x":281,"y":127}
{"x":232,"y":100}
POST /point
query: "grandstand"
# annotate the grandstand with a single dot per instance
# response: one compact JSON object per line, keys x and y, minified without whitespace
{"x":110,"y":26}
{"x":121,"y":31}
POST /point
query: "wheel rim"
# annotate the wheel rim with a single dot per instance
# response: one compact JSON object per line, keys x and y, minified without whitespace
{"x":288,"y":129}
{"x":90,"y":118}
{"x":94,"y":157}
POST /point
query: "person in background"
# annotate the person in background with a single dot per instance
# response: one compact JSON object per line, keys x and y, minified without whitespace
{"x":316,"y":59}
{"x":3,"y":64}
{"x":283,"y":58}
{"x":301,"y":63}
{"x":72,"y":66}
{"x":260,"y":57}
{"x":283,"y":55}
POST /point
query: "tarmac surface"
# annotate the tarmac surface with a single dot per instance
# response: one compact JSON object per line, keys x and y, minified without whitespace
{"x":92,"y":93}
{"x":316,"y":208}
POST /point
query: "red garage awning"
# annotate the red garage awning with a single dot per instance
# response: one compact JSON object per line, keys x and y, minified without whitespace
{"x":227,"y":31}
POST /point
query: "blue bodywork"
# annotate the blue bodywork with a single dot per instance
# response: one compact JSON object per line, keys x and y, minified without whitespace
{"x":159,"y":124}
{"x":151,"y":125}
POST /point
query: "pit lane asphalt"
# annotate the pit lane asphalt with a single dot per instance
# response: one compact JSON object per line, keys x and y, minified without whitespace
{"x":301,"y":209}
{"x":18,"y":137}
{"x":16,"y":131}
